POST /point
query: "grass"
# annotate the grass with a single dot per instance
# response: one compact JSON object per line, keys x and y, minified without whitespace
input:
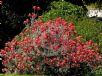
{"x":19,"y":75}
{"x":99,"y":75}
{"x":33,"y":75}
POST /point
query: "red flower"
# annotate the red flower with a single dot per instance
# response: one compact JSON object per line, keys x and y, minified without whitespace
{"x":1,"y":2}
{"x":34,"y":15}
{"x":38,"y":8}
{"x":29,"y":15}
{"x":26,"y":21}
{"x":18,"y":66}
{"x":10,"y":58}
{"x":29,"y":59}
{"x":34,"y":7}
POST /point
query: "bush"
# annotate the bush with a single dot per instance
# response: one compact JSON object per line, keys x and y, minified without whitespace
{"x":50,"y":48}
{"x":89,"y":29}
{"x":63,"y":9}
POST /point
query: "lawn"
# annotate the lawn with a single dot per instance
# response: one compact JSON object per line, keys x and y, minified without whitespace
{"x":19,"y":75}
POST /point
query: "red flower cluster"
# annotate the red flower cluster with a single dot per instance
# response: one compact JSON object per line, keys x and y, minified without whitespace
{"x":54,"y":43}
{"x":32,"y":16}
{"x":36,"y":8}
{"x":1,"y":2}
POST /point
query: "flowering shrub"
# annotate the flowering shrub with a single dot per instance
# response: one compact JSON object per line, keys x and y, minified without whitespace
{"x":49,"y":47}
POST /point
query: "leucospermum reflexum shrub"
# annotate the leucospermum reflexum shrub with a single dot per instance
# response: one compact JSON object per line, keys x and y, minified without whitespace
{"x":51,"y":47}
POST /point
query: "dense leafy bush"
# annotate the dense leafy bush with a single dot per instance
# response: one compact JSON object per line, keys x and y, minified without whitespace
{"x":51,"y":48}
{"x":89,"y":28}
{"x":63,"y":9}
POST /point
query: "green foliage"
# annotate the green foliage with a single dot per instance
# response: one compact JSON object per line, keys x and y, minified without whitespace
{"x":98,"y":71}
{"x":19,"y":75}
{"x":100,"y":41}
{"x":63,"y":9}
{"x":89,"y":28}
